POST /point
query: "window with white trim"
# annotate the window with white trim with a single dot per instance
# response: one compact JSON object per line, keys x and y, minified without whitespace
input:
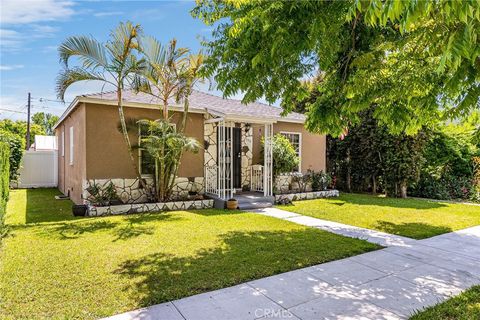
{"x":63,"y":143}
{"x":71,"y":146}
{"x":295,"y":139}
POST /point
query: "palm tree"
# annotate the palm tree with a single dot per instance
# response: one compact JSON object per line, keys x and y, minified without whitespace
{"x":113,"y":63}
{"x":166,"y":146}
{"x":170,"y":73}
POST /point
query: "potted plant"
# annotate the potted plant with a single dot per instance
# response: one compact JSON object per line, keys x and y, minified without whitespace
{"x":79,"y":210}
{"x":232,"y":204}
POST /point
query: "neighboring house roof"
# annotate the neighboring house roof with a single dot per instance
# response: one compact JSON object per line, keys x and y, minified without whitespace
{"x":199,"y":102}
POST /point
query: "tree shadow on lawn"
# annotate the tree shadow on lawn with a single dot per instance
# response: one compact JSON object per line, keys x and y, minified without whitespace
{"x":122,"y":229}
{"x":415,"y":230}
{"x":135,"y":225}
{"x":241,"y":257}
{"x":370,"y":200}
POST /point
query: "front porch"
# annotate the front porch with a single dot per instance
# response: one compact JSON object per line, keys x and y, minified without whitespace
{"x":230,"y":168}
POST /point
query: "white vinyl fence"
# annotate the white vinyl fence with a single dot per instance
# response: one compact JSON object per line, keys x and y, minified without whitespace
{"x":38,"y":169}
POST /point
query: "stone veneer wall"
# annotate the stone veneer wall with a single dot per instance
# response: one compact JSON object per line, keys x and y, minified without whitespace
{"x":150,"y":207}
{"x":247,"y":154}
{"x":307,"y":195}
{"x":284,"y":184}
{"x":210,"y":143}
{"x":129,"y":192}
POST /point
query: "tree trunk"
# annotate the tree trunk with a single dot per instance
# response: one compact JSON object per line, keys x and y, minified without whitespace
{"x":127,"y":138}
{"x":185,"y":115}
{"x":374,"y":184}
{"x":403,"y":189}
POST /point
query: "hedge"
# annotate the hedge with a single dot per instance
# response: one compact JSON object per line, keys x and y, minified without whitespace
{"x":4,"y":181}
{"x":17,"y":145}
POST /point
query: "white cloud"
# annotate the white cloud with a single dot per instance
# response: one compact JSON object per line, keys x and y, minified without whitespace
{"x":13,"y":40}
{"x":30,"y":11}
{"x":10,"y":39}
{"x":43,"y":31}
{"x":108,"y":13}
{"x":4,"y":67}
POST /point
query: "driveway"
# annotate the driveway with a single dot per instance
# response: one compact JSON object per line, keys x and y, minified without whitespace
{"x":391,"y":283}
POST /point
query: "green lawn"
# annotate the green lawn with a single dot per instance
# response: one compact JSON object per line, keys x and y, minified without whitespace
{"x":412,"y":218}
{"x":53,"y":265}
{"x":465,"y":306}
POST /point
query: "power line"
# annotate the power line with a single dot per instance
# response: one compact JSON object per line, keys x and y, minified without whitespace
{"x":51,"y":100}
{"x":10,"y":110}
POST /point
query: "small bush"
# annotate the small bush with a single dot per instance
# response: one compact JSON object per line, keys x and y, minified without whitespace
{"x":102,"y":197}
{"x":285,"y":159}
{"x":320,"y":180}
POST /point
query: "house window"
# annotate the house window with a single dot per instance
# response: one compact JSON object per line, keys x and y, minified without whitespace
{"x":295,"y":139}
{"x":63,"y":143}
{"x":71,"y":145}
{"x":147,"y":163}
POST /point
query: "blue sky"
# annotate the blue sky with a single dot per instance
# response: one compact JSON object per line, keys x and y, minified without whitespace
{"x":31,"y":31}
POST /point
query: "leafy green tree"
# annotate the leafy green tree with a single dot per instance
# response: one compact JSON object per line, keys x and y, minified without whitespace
{"x":414,"y":61}
{"x":19,"y":128}
{"x":113,"y":63}
{"x":46,"y":121}
{"x":369,"y":158}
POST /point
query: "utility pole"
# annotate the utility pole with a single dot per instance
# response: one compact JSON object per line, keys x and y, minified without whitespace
{"x":28,"y":123}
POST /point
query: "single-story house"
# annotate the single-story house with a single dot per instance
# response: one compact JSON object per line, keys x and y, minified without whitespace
{"x":91,"y":150}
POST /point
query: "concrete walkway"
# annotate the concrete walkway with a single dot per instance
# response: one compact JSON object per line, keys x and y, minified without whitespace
{"x":390,"y":283}
{"x":378,"y":237}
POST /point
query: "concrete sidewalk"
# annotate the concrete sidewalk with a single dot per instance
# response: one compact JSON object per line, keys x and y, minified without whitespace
{"x":378,"y":237}
{"x":386,"y":284}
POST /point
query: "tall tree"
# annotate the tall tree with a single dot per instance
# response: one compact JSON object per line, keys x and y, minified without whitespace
{"x":46,"y":121}
{"x":414,"y":65}
{"x":114,"y":63}
{"x":169,"y":75}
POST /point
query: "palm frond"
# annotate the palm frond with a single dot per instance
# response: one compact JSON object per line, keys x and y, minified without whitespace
{"x":90,"y":52}
{"x":153,"y":50}
{"x":67,"y":77}
{"x":123,"y":40}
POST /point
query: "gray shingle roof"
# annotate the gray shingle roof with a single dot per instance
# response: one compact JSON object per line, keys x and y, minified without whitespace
{"x":201,"y":101}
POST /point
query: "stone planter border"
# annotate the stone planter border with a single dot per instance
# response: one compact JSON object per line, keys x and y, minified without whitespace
{"x":307,"y":195}
{"x":150,"y":207}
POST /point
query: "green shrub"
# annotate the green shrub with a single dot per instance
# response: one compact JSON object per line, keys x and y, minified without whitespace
{"x":4,"y":181}
{"x":17,"y":145}
{"x":320,"y":180}
{"x":285,"y":159}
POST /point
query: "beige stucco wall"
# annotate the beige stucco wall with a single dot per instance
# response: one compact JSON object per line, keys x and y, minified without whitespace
{"x":107,"y":155}
{"x":313,"y":148}
{"x":71,"y":176}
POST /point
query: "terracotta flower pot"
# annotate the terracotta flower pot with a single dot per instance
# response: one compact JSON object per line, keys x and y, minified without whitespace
{"x":232,"y":204}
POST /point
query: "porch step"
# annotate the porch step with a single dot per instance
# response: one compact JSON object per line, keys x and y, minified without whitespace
{"x":248,"y":201}
{"x":248,"y":205}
